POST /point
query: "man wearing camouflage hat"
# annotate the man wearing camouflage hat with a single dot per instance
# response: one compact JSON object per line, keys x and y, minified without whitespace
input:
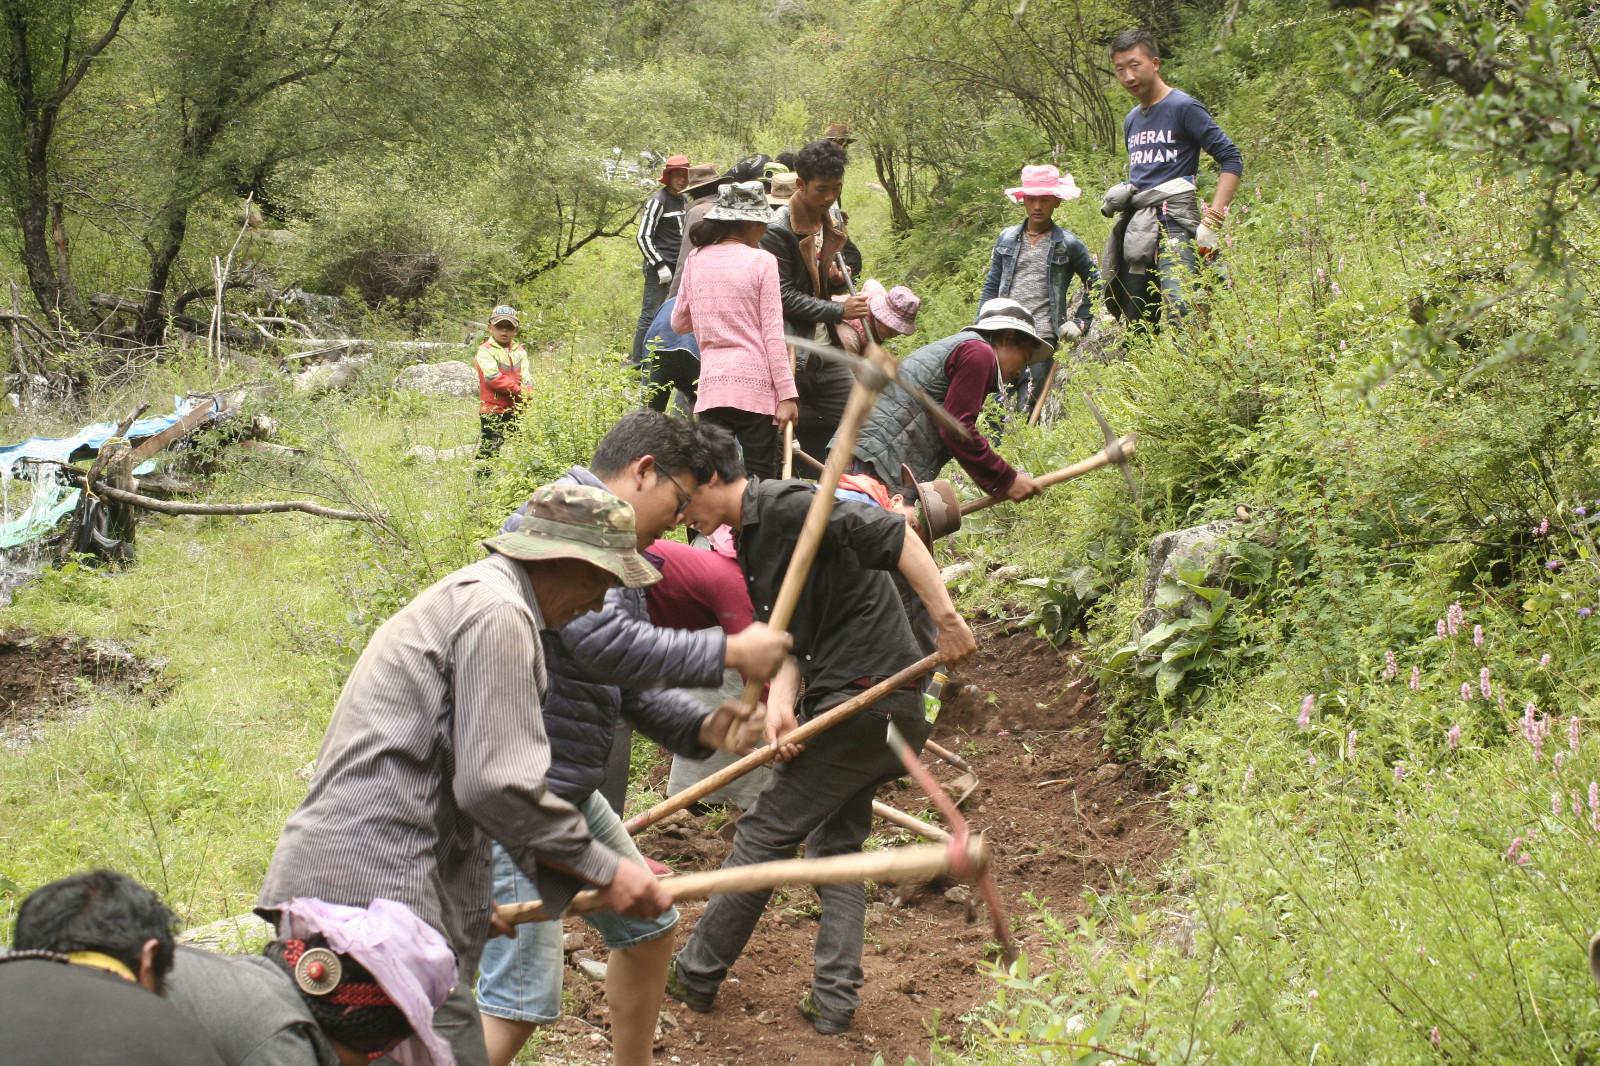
{"x":437,"y":746}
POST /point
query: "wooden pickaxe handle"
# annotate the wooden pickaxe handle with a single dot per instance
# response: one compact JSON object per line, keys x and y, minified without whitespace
{"x":895,"y":816}
{"x":919,"y":862}
{"x":761,"y":756}
{"x":942,"y":752}
{"x":1066,"y":473}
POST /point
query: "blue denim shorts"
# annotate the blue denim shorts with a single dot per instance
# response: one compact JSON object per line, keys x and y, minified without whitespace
{"x":520,"y":978}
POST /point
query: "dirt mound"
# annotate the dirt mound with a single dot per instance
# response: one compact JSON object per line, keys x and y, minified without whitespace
{"x":1061,"y":818}
{"x":44,"y":678}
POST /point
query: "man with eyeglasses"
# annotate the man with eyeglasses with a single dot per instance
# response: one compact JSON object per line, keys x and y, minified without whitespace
{"x":608,"y":669}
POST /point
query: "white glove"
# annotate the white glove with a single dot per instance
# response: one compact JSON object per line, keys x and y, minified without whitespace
{"x":1206,"y":238}
{"x":664,"y":274}
{"x":1072,"y":330}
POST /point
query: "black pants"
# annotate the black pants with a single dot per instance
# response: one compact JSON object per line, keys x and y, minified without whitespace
{"x":668,"y":370}
{"x":757,"y":437}
{"x":824,"y":388}
{"x":492,"y":430}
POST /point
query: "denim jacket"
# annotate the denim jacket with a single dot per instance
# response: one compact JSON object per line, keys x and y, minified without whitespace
{"x":1069,"y":258}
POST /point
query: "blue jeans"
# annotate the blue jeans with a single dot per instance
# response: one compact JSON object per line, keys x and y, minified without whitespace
{"x":520,"y":979}
{"x":655,"y":294}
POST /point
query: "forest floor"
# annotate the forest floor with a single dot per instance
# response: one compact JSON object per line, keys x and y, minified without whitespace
{"x":1062,"y":818}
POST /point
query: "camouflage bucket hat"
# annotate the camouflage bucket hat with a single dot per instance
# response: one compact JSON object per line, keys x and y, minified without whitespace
{"x":743,"y":202}
{"x":582,"y":523}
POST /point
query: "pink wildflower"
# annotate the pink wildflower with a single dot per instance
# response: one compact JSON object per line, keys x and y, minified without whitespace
{"x":1334,"y":288}
{"x":1350,"y":744}
{"x":1454,"y":617}
{"x":1399,"y":772}
{"x":1466,"y":691}
{"x":1577,"y":805}
{"x":1434,"y":1038}
{"x":1311,"y":759}
{"x":1544,"y":660}
{"x":1452,"y":737}
{"x":1439,"y":627}
{"x":1514,"y":852}
{"x":1390,"y":666}
{"x":1477,"y":636}
{"x":1306,"y":704}
{"x":1555,"y":804}
{"x":1544,"y":526}
{"x":1560,"y":760}
{"x":1594,"y":796}
{"x":1416,"y":678}
{"x":1483,"y":683}
{"x":1572,"y":733}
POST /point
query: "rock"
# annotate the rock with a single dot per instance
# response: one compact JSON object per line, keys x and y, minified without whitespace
{"x":242,"y":934}
{"x":305,"y":772}
{"x":1195,"y":548}
{"x":449,"y":378}
{"x":1109,"y":772}
{"x":766,"y":1017}
{"x":594,"y":971}
{"x":1007,"y":573}
{"x":571,"y":942}
{"x":422,"y":453}
{"x":330,"y":377}
{"x":958,"y":894}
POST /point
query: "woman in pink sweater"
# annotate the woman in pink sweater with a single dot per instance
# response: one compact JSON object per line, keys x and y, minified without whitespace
{"x":729,"y":300}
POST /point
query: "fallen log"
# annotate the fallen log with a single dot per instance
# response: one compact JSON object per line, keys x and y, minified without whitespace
{"x":174,"y":507}
{"x":920,"y":862}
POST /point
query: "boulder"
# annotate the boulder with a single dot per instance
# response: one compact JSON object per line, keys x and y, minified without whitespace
{"x":1195,"y":548}
{"x":423,"y":453}
{"x":449,"y":378}
{"x":330,"y":377}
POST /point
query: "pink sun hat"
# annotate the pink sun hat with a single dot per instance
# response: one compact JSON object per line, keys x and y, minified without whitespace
{"x":1045,"y":180}
{"x":896,"y":308}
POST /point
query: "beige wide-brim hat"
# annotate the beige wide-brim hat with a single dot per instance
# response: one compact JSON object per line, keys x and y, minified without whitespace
{"x":784,"y":185}
{"x":581,"y":523}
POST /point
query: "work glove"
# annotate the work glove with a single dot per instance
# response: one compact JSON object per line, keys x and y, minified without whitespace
{"x":1207,"y":237}
{"x":1072,"y":330}
{"x":664,"y":274}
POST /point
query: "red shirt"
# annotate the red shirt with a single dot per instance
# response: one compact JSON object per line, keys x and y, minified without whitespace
{"x":698,"y":589}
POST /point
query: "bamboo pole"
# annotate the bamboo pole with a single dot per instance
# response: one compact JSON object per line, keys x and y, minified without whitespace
{"x":919,"y":862}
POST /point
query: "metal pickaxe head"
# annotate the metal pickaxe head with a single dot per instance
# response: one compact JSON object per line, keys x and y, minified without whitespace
{"x":1114,"y":447}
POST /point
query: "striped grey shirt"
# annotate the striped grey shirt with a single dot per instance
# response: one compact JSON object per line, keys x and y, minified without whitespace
{"x":437,"y":746}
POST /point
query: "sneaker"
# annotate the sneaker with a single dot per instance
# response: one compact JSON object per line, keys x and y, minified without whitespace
{"x":699,"y":1002}
{"x":826,"y":1024}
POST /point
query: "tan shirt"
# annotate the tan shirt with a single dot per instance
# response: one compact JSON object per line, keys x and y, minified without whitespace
{"x":436,"y":747}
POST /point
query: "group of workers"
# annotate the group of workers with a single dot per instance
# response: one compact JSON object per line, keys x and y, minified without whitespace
{"x":478,"y":754}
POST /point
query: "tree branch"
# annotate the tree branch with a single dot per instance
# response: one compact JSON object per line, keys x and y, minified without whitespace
{"x":66,"y":88}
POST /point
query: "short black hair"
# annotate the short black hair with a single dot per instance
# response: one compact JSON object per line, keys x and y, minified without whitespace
{"x":671,"y":441}
{"x":1128,"y":40}
{"x":100,"y":910}
{"x":723,"y":449}
{"x":820,"y":159}
{"x":709,"y":231}
{"x":786,"y":157}
{"x":364,"y":1027}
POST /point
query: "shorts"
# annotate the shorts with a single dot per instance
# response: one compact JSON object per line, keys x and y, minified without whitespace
{"x":519,"y":979}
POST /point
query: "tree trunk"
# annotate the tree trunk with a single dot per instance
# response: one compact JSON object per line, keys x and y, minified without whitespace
{"x":170,"y":230}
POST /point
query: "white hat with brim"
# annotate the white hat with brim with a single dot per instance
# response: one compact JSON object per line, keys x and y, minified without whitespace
{"x":1000,"y":314}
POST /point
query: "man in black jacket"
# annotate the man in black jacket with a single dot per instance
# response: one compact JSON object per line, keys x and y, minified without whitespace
{"x":806,"y":240}
{"x":604,"y":669}
{"x":659,"y":237}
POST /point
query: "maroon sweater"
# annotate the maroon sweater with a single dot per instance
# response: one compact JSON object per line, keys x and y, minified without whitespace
{"x":972,"y":369}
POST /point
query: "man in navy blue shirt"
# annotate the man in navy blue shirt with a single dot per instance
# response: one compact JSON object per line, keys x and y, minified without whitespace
{"x":1161,"y":229}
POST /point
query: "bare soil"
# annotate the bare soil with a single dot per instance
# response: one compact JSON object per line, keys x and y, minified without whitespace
{"x":46,"y":678}
{"x":1060,"y":815}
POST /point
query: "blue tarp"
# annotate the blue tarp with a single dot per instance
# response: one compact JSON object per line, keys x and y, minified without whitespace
{"x":51,"y":501}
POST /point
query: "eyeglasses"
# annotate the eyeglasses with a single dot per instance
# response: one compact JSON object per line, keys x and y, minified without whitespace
{"x":685,"y":497}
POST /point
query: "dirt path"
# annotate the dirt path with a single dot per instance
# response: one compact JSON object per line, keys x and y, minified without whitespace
{"x":1060,"y":817}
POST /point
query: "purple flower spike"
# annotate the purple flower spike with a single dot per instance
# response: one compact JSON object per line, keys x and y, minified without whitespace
{"x":1553,"y":564}
{"x":1434,"y":1038}
{"x":1544,"y":660}
{"x":1594,"y":796}
{"x":1350,"y":744}
{"x":1439,"y":627}
{"x":1580,"y":511}
{"x":1452,"y":737}
{"x":1483,"y":683}
{"x":1555,"y":804}
{"x":1584,"y":612}
{"x":1390,"y":666}
{"x":1466,"y":691}
{"x":1304,"y":721}
{"x":1477,"y":636}
{"x":1415,"y":683}
{"x":1573,"y":735}
{"x":1399,"y":772}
